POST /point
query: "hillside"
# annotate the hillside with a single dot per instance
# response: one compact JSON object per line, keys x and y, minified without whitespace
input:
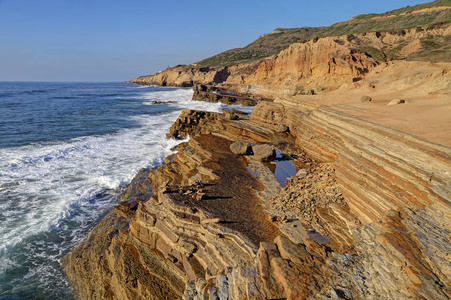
{"x":437,"y":12}
{"x":428,"y":14}
{"x":267,"y":45}
{"x":430,"y":43}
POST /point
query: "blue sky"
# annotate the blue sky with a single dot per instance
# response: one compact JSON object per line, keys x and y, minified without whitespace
{"x":116,"y":40}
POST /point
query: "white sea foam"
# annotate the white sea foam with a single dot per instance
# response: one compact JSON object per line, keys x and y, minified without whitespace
{"x":61,"y":189}
{"x":42,"y":182}
{"x":47,"y":180}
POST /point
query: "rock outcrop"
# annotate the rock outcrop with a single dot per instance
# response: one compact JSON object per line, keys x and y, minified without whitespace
{"x":202,"y":227}
{"x":212,"y":93}
{"x":184,"y":76}
{"x":264,"y":152}
{"x":241,"y":148}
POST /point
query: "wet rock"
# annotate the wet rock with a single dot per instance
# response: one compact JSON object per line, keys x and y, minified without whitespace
{"x":241,"y":148}
{"x":162,"y":102}
{"x":264,"y":152}
{"x":212,"y":93}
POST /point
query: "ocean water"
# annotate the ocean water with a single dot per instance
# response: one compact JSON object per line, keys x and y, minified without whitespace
{"x":67,"y":151}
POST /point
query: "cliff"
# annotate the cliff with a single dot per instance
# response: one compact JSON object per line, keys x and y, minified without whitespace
{"x":183,"y":76}
{"x":316,"y":65}
{"x":370,"y":200}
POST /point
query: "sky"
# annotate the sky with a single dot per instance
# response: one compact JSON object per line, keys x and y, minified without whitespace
{"x":117,"y":40}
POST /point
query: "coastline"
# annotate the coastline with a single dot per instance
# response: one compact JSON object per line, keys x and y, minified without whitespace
{"x":188,"y":244}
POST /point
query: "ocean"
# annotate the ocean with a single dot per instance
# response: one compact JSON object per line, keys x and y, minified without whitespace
{"x":67,"y":152}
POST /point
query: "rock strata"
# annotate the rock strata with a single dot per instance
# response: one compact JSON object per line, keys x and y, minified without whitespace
{"x":306,"y":68}
{"x":203,"y":226}
{"x":212,"y":93}
{"x":192,"y":122}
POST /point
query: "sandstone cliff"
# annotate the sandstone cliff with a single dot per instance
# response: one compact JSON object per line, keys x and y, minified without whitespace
{"x":313,"y":66}
{"x":182,"y":76}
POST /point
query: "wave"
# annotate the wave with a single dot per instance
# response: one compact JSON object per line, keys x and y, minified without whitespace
{"x":53,"y":193}
{"x":101,"y":95}
{"x":63,"y":97}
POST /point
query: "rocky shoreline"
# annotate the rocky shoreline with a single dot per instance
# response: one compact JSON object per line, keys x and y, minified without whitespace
{"x":365,"y":215}
{"x":201,"y":226}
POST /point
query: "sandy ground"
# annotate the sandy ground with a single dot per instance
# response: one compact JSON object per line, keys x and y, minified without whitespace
{"x":425,"y":87}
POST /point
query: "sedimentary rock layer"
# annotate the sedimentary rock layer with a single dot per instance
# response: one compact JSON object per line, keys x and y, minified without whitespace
{"x":212,"y":93}
{"x":203,"y":227}
{"x":183,"y":76}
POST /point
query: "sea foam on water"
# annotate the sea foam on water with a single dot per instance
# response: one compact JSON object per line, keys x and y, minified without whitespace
{"x":54,"y":191}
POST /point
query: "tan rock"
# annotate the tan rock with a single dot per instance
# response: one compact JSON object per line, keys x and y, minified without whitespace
{"x":366,"y":99}
{"x":396,"y":102}
{"x":283,"y":128}
{"x":207,"y":221}
{"x":264,"y":152}
{"x":241,"y":148}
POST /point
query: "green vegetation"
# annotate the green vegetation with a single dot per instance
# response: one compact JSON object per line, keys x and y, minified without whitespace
{"x":395,"y":22}
{"x":375,"y":53}
{"x":436,"y":49}
{"x":406,"y":10}
{"x":266,"y":45}
{"x":389,"y":23}
{"x":398,"y":19}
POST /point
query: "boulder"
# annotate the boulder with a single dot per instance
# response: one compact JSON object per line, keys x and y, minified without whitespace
{"x":264,"y":152}
{"x":366,"y":98}
{"x":283,"y":128}
{"x":396,"y":101}
{"x":241,"y":148}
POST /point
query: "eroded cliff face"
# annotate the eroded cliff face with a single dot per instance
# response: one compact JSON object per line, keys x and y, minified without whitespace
{"x":397,"y":186}
{"x":184,"y":76}
{"x":310,"y":67}
{"x":317,"y":63}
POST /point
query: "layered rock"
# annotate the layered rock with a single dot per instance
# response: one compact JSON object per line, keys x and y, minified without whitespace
{"x":326,"y":63}
{"x":205,"y":228}
{"x":212,"y":93}
{"x":183,"y":76}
